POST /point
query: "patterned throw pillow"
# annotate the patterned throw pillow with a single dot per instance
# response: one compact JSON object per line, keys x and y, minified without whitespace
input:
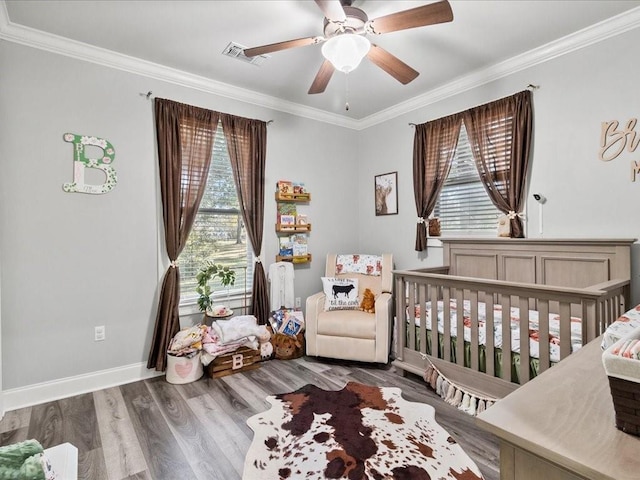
{"x":341,"y":293}
{"x":357,"y":263}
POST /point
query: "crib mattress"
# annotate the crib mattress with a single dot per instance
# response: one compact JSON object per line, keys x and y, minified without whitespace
{"x":554,"y":327}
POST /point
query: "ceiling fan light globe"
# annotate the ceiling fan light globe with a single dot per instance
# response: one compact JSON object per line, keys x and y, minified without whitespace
{"x":346,"y":51}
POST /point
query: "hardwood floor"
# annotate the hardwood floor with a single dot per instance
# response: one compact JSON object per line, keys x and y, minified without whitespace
{"x":153,"y":430}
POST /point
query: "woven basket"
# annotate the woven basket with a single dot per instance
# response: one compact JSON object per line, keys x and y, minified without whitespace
{"x":624,"y":383}
{"x":626,"y":402}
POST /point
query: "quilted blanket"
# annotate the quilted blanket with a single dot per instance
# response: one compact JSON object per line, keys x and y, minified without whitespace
{"x":622,"y":327}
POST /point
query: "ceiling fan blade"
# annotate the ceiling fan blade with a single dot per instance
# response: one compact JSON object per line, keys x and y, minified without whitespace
{"x":392,"y":64}
{"x":332,"y":10}
{"x":439,"y":12}
{"x":276,"y":47}
{"x":322,"y":78}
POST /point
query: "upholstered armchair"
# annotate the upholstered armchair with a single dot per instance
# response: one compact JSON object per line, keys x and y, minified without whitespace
{"x":347,"y":332}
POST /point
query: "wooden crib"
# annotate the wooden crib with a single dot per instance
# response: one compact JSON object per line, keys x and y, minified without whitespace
{"x":558,"y":282}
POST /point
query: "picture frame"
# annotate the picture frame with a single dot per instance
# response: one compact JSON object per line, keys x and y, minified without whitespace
{"x":386,"y":193}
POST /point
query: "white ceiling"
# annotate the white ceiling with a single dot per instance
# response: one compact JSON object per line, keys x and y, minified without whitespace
{"x":486,"y":39}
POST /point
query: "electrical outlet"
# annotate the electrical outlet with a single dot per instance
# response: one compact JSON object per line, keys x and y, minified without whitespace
{"x":99,"y":334}
{"x":297,"y":302}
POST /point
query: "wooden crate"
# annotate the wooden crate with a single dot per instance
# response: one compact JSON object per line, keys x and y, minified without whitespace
{"x":241,"y":360}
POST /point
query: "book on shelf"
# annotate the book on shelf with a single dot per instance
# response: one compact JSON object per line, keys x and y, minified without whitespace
{"x":286,"y":250}
{"x":302,"y":220}
{"x":287,"y":220}
{"x":286,"y":209}
{"x":300,"y":238}
{"x":284,"y":187}
{"x":299,"y":241}
{"x":299,"y":249}
{"x":294,"y":245}
{"x":298,"y":188}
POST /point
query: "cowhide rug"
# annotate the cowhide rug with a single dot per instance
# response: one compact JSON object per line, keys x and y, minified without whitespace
{"x":357,"y":433}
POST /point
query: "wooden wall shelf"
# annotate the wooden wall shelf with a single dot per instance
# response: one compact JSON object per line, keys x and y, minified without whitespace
{"x":280,"y":228}
{"x":293,"y":197}
{"x":292,"y":236}
{"x":297,"y":259}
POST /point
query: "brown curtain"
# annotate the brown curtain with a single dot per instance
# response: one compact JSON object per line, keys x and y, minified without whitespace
{"x":247,"y":145}
{"x":185,"y":136}
{"x":500,"y":137}
{"x":434,"y":145}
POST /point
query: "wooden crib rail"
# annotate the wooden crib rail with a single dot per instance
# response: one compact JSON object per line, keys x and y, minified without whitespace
{"x":598,"y":306}
{"x":506,"y":287}
{"x":611,"y":304}
{"x":444,"y":270}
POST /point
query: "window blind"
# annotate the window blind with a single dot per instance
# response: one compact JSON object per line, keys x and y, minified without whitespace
{"x":218,"y":232}
{"x":463,"y":204}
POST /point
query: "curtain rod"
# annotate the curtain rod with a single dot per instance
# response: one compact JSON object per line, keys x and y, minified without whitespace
{"x":531,"y":87}
{"x":149,"y":93}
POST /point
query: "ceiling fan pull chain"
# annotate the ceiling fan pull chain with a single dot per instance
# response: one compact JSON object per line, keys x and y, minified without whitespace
{"x":346,"y":96}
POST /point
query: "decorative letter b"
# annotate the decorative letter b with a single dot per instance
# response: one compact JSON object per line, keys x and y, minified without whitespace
{"x":236,"y":361}
{"x":80,"y":162}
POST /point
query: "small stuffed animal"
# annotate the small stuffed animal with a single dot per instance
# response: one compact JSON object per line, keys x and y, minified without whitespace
{"x":434,"y":227}
{"x":504,"y":226}
{"x":287,"y":347}
{"x":264,"y":337}
{"x":368,"y":303}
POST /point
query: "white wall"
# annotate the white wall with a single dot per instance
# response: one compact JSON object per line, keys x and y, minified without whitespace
{"x":586,"y":197}
{"x":1,"y":391}
{"x":73,"y":261}
{"x":324,"y":158}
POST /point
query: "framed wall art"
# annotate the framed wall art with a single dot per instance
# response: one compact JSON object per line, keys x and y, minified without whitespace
{"x":386,"y":193}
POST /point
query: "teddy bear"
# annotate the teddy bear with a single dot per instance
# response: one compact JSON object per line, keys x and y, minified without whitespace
{"x":368,"y":301}
{"x":264,"y":338}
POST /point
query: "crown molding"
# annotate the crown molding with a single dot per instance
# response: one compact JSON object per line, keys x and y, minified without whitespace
{"x":4,"y":16}
{"x":63,"y":46}
{"x":71,"y":48}
{"x":583,"y":38}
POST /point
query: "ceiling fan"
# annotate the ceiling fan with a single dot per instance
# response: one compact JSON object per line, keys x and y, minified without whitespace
{"x":345,"y":43}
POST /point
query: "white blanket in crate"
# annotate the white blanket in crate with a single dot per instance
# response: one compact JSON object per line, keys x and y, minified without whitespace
{"x":554,"y":327}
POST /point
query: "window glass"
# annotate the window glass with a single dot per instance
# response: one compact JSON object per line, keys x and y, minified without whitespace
{"x":463,"y":204}
{"x":218,"y":232}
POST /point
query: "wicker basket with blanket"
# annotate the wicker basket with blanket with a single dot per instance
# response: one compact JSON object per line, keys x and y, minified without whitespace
{"x":622,"y":364}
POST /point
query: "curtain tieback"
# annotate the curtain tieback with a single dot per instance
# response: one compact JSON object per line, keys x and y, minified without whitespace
{"x":173,"y":264}
{"x":257,"y":260}
{"x":420,"y":219}
{"x":512,"y":215}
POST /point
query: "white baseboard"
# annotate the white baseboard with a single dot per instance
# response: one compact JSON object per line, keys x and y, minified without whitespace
{"x":21,"y":397}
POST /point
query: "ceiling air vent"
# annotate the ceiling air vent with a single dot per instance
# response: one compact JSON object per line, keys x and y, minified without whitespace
{"x":237,"y":51}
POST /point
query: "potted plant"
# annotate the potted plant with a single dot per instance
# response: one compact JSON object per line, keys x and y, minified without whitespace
{"x":210,"y":271}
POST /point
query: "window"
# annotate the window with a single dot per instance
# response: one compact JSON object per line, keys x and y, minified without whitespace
{"x":218,"y":232}
{"x":463,"y":204}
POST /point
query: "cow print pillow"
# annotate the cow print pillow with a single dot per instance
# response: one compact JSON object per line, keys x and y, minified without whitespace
{"x":341,"y":293}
